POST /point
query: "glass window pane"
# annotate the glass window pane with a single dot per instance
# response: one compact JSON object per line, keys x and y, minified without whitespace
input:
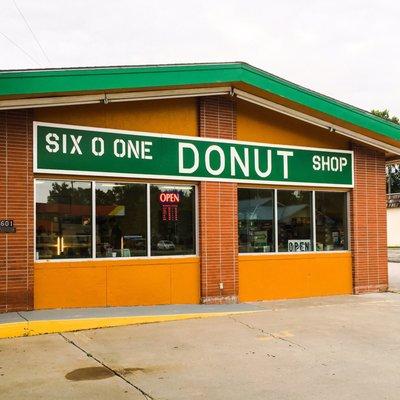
{"x":172,"y":220}
{"x":331,"y":221}
{"x":121,"y":228}
{"x":63,"y":219}
{"x":294,"y":221}
{"x":256,"y":220}
{"x":394,"y":175}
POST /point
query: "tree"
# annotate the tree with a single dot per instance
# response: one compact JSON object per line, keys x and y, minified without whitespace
{"x":66,"y":193}
{"x":392,"y":170}
{"x":385,"y":115}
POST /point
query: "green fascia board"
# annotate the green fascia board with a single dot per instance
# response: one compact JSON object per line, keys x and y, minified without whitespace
{"x":39,"y":82}
{"x":122,"y":78}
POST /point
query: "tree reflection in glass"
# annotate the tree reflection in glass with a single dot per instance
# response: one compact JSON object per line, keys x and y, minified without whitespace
{"x":63,"y":219}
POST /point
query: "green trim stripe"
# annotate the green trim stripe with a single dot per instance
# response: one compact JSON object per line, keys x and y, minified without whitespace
{"x":28,"y":83}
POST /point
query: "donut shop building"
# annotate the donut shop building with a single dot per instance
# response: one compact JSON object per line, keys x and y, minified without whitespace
{"x":173,"y":184}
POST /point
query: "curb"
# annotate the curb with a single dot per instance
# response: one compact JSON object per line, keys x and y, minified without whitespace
{"x":40,"y":327}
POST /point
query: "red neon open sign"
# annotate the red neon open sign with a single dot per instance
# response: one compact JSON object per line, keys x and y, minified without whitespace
{"x":170,"y":198}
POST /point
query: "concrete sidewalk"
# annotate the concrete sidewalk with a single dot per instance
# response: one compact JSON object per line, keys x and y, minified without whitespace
{"x":327,"y":348}
{"x":30,"y":323}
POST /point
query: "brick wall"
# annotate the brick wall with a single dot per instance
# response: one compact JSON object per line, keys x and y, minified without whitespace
{"x":218,"y":211}
{"x":368,"y":221}
{"x":16,"y":202}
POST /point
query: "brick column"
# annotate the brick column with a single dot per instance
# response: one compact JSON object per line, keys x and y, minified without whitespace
{"x":16,"y":202}
{"x":368,"y":221}
{"x":218,"y":211}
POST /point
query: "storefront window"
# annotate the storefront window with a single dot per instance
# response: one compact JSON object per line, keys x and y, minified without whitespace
{"x":63,"y":219}
{"x":294,"y":221}
{"x":172,"y":210}
{"x":124,"y":211}
{"x":121,"y":220}
{"x":256,"y":220}
{"x":331,"y":224}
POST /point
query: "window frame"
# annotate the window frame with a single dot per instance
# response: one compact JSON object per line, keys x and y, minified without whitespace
{"x":313,"y":224}
{"x":148,"y":216}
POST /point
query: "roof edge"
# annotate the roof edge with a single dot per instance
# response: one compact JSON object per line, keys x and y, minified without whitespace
{"x":320,"y":102}
{"x":86,"y":79}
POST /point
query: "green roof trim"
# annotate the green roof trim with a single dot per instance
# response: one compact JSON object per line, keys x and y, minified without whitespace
{"x":37,"y":82}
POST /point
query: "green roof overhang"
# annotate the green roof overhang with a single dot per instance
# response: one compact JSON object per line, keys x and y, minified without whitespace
{"x":29,"y":83}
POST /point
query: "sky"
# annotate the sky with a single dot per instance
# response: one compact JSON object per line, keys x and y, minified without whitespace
{"x":345,"y":49}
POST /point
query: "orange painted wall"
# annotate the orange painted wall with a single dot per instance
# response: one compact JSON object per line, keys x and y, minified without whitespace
{"x":258,"y":124}
{"x":266,"y":277}
{"x":176,"y":116}
{"x":121,"y":282}
{"x":117,"y":283}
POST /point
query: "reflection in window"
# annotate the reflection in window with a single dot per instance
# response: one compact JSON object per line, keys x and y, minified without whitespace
{"x":120,"y":220}
{"x":331,"y":224}
{"x":294,"y":221}
{"x":63,"y":219}
{"x":172,"y":220}
{"x":393,"y":179}
{"x":256,"y":220}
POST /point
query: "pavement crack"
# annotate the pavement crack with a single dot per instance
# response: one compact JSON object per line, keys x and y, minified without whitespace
{"x":114,"y":371}
{"x":22,"y":316}
{"x":267,"y":333}
{"x":26,"y":328}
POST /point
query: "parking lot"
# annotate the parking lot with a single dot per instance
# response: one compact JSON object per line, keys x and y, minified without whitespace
{"x":345,"y":347}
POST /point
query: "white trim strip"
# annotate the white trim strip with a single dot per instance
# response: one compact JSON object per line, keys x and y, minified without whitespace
{"x":348,"y":220}
{"x":148,"y":222}
{"x":296,"y":253}
{"x":167,"y":94}
{"x":314,"y":221}
{"x":196,"y":219}
{"x":35,"y":258}
{"x":89,"y":259}
{"x":94,"y":219}
{"x":55,"y":101}
{"x":276,"y":236}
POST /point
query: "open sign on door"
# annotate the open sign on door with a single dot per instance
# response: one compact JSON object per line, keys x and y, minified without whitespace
{"x":299,"y":245}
